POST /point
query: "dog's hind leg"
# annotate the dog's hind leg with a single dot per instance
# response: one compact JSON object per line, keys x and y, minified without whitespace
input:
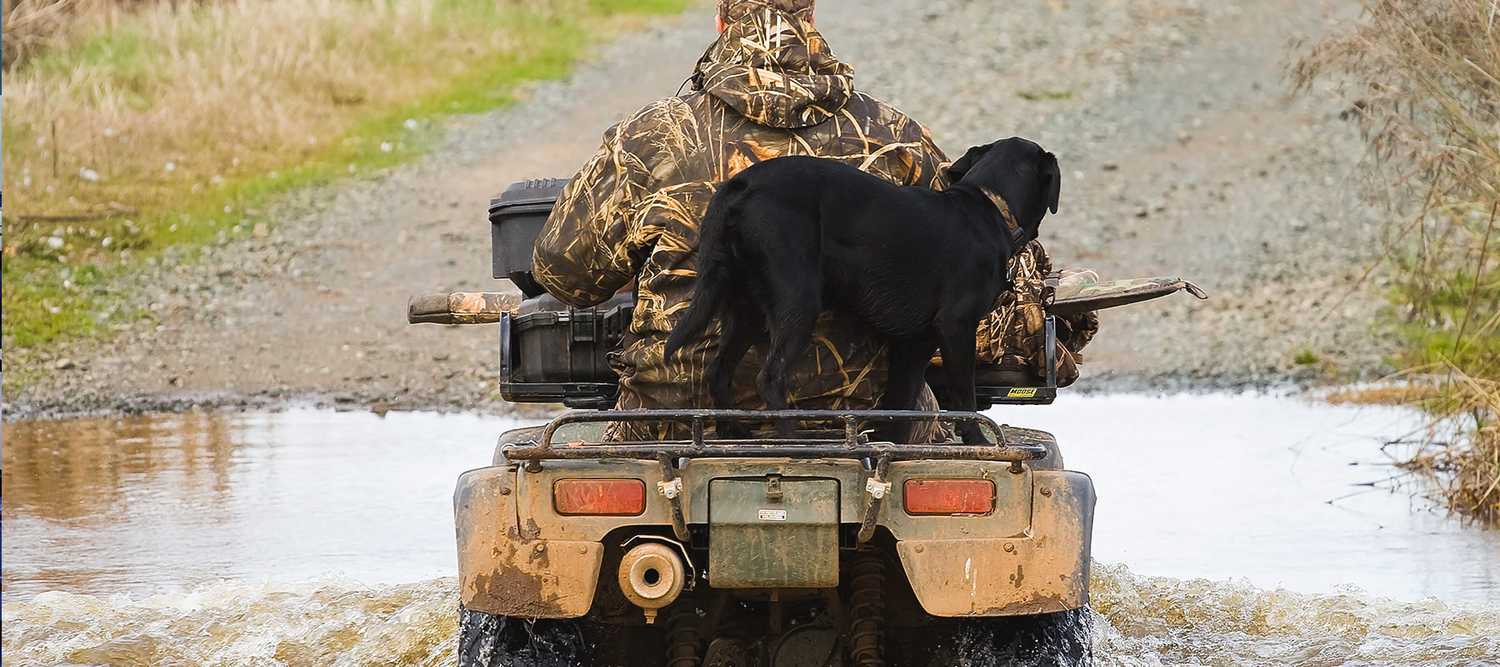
{"x":741,"y":328}
{"x":791,"y":334}
{"x":906,"y":361}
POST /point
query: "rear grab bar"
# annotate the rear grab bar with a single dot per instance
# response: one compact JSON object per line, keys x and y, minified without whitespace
{"x":849,"y":441}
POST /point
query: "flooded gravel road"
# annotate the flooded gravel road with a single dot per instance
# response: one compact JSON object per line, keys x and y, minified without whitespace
{"x":1230,"y":529}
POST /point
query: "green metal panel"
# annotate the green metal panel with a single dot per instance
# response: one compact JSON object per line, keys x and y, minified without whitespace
{"x":697,"y":473}
{"x":773,"y":532}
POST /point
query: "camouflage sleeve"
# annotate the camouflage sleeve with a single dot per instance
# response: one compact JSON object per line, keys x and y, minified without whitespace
{"x":1078,"y":329}
{"x":1014,"y":333}
{"x":1027,"y":335}
{"x":581,"y":256}
{"x":930,"y":166}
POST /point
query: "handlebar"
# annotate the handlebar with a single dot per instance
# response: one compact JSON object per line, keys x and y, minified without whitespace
{"x":460,"y":308}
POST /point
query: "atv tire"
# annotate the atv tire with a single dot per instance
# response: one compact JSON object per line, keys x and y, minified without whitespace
{"x":1044,"y":640}
{"x":487,"y":640}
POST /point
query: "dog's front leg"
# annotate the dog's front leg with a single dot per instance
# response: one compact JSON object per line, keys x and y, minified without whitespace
{"x":907,"y":362}
{"x":958,"y":370}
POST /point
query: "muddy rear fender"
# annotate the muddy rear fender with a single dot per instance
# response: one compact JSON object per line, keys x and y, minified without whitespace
{"x":1043,"y":569}
{"x":504,"y":567}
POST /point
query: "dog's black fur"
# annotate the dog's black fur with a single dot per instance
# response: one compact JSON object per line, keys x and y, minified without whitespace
{"x":787,"y":238}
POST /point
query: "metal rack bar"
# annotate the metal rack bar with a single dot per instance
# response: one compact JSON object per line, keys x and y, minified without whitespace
{"x":818,"y":444}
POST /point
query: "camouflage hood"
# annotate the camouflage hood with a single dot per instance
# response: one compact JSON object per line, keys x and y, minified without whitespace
{"x":775,"y":69}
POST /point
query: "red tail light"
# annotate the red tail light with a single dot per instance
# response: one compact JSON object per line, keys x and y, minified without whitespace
{"x":948,"y":496}
{"x":607,"y":497}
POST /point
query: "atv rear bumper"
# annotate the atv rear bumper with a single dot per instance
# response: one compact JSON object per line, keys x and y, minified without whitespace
{"x":519,"y":557}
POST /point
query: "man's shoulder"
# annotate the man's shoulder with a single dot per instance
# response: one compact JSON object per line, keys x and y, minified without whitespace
{"x":658,"y":114}
{"x":886,"y":113}
{"x":865,"y":100}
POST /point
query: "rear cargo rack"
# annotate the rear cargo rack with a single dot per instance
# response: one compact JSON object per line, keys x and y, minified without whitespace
{"x":846,"y":440}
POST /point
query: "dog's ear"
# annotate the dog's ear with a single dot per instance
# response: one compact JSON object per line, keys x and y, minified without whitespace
{"x":962,"y":165}
{"x":1052,"y":179}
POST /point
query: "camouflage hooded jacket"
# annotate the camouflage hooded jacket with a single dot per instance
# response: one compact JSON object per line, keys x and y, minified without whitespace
{"x":769,"y":86}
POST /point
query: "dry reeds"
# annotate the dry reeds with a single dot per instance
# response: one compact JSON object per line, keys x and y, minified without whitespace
{"x":1460,"y":454}
{"x":1425,"y":75}
{"x":137,"y":126}
{"x":113,"y":110}
{"x":1475,"y":483}
{"x":29,"y":24}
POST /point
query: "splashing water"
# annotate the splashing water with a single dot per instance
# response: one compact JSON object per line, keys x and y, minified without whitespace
{"x":1160,"y":620}
{"x":239,"y":624}
{"x":1138,"y":621}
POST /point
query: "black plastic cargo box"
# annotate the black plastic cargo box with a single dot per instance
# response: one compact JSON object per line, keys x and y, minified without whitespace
{"x":550,"y":353}
{"x":516,"y":218}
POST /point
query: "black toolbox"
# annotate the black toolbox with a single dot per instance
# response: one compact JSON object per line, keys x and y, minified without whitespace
{"x":549,"y":352}
{"x":516,"y":219}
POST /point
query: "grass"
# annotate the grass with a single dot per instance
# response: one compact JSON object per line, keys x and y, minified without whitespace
{"x":1425,"y":77}
{"x":1445,"y":327}
{"x":141,"y":131}
{"x":1385,"y":394}
{"x":1305,"y":357}
{"x":1045,"y":95}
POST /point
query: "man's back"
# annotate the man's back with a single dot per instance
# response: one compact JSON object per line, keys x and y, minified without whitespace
{"x":769,"y":87}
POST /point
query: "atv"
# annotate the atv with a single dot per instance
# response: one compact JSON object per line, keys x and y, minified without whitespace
{"x":826,"y":548}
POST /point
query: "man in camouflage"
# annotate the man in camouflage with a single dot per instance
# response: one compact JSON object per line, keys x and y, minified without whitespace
{"x":769,"y":86}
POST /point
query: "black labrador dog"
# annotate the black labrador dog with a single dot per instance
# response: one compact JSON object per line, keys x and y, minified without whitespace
{"x":789,"y":237}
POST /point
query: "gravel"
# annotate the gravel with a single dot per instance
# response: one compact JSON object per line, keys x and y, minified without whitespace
{"x":1182,"y":154}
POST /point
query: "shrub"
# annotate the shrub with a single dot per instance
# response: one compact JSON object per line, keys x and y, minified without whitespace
{"x":1425,"y":79}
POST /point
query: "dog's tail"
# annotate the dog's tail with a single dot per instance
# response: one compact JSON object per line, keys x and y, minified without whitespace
{"x":714,"y":268}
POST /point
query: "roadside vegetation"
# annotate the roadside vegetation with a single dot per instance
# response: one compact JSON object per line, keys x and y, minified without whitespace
{"x":1425,"y":79}
{"x":138,"y":130}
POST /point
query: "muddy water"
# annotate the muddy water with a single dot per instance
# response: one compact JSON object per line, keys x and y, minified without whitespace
{"x":1231,"y":530}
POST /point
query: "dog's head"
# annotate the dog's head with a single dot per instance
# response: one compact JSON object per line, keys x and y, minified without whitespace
{"x":1018,"y":170}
